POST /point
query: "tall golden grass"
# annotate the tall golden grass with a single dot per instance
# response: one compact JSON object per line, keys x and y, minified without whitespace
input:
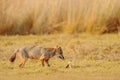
{"x":54,"y":16}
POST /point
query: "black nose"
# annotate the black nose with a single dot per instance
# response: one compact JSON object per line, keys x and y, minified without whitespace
{"x":63,"y":58}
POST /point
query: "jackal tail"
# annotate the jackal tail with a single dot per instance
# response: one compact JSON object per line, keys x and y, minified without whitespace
{"x":13,"y":57}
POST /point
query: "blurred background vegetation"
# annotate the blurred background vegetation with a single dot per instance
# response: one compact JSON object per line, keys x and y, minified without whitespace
{"x":59,"y":16}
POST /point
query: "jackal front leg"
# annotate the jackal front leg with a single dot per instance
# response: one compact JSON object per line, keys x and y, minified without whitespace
{"x":46,"y":61}
{"x":42,"y":62}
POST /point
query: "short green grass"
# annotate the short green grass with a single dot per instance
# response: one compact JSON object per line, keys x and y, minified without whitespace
{"x":93,"y":57}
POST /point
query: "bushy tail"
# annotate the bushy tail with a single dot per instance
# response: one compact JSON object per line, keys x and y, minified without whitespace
{"x":13,"y":57}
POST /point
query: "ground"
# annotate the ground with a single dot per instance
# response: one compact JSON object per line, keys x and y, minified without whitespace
{"x":93,"y":57}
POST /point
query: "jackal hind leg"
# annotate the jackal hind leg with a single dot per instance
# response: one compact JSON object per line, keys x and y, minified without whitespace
{"x":20,"y":65}
{"x":23,"y":61}
{"x":46,"y":61}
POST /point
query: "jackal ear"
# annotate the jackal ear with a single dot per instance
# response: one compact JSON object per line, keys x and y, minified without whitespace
{"x":57,"y":47}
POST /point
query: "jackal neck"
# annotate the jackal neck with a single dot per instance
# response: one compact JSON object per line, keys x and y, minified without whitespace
{"x":52,"y":51}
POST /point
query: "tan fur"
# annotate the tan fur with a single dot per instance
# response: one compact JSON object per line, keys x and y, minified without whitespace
{"x":36,"y":52}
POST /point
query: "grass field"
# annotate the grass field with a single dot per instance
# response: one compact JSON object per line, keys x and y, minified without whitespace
{"x":93,"y":57}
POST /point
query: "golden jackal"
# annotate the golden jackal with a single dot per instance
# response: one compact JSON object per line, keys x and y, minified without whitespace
{"x":37,"y":52}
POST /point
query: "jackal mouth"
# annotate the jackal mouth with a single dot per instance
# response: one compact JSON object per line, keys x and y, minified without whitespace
{"x":61,"y":57}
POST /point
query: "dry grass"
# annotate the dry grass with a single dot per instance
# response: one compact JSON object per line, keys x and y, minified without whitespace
{"x":69,"y":16}
{"x":93,"y":57}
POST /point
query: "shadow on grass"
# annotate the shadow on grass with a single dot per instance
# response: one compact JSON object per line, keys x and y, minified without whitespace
{"x":76,"y":66}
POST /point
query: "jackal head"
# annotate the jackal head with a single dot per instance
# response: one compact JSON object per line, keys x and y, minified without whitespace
{"x":59,"y":52}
